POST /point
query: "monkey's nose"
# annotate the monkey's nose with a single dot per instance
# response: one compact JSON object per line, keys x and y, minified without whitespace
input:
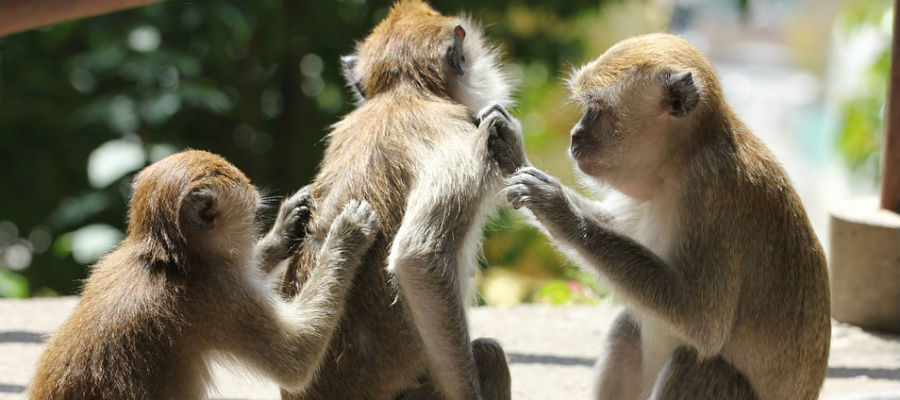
{"x":578,"y":133}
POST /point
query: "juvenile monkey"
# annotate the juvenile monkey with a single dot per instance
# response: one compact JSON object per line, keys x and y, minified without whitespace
{"x":706,"y":242}
{"x":183,"y":286}
{"x":415,"y":148}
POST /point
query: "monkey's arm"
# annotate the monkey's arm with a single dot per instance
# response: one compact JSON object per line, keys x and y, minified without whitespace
{"x":288,"y":342}
{"x":700,"y":299}
{"x":288,"y":230}
{"x":428,"y":273}
{"x":428,"y":259}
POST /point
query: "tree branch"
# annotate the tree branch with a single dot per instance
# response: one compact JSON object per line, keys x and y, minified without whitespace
{"x":21,"y":15}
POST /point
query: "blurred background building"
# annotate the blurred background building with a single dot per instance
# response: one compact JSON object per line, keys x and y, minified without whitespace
{"x":85,"y":104}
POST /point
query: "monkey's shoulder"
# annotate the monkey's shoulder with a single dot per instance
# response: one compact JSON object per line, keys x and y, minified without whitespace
{"x":386,"y":116}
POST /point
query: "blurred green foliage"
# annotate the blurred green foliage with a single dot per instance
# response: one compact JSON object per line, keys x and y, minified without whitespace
{"x":85,"y":104}
{"x":861,"y":130}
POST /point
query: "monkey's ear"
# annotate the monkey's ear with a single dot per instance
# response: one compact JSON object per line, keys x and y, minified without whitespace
{"x":681,"y":93}
{"x":348,"y":65}
{"x":455,"y":56}
{"x":200,"y":210}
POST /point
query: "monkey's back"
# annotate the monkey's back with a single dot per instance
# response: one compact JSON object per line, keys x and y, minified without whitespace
{"x":783,"y":312}
{"x":376,"y":352}
{"x":120,"y":340}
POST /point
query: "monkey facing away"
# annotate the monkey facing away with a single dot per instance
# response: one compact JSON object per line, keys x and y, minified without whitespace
{"x":183,"y":287}
{"x":415,"y":148}
{"x":702,"y":237}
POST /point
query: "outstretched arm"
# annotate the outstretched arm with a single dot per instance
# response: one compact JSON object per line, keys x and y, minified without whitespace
{"x":506,"y":148}
{"x":288,"y":341}
{"x":676,"y":293}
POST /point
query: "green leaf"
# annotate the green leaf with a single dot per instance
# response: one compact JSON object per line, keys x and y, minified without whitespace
{"x":13,"y":285}
{"x":555,"y":292}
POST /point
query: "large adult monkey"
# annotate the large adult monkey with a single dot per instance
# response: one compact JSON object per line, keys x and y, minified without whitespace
{"x":415,"y":148}
{"x":703,"y":237}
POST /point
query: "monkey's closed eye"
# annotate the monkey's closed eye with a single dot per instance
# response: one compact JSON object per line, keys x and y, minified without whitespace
{"x":592,"y":113}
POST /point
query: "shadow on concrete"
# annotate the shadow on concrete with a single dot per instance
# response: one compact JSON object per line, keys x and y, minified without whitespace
{"x":21,"y":337}
{"x":4,"y":388}
{"x":520,"y":358}
{"x":872,"y":373}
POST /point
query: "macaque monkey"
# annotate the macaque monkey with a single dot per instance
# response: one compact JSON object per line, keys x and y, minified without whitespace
{"x":702,"y":236}
{"x":184,"y":286}
{"x":416,"y":149}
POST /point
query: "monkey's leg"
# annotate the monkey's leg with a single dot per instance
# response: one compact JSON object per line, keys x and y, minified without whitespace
{"x":493,"y":374}
{"x":619,"y":370}
{"x":493,"y":370}
{"x":428,"y":264}
{"x":686,"y":377}
{"x":428,"y":282}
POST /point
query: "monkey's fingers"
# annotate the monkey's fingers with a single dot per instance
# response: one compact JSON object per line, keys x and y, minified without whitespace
{"x":523,"y":178}
{"x":302,"y":197}
{"x":517,"y":195}
{"x":493,"y":107}
{"x":293,"y":224}
{"x":356,"y":209}
{"x":354,"y":229}
{"x":498,"y":149}
{"x":367,"y":217}
{"x":372,"y":222}
{"x":303,"y":216}
{"x":537,"y":174}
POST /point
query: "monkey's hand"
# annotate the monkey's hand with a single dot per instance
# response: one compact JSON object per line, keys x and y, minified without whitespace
{"x":293,"y":217}
{"x":504,"y":143}
{"x":289,"y":228}
{"x":352,"y":233}
{"x":542,"y":194}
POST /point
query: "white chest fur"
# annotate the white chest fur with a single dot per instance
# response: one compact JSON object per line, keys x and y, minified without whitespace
{"x":652,"y":224}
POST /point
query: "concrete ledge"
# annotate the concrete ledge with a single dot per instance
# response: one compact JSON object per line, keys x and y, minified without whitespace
{"x":865,"y":265}
{"x":551,"y":350}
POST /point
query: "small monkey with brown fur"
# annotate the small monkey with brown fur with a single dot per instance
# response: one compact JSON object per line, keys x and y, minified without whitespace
{"x":416,"y":149}
{"x":702,"y":235}
{"x":183,"y":286}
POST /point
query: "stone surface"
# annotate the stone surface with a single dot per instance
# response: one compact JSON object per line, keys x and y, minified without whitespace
{"x":551,"y":350}
{"x":864,"y":262}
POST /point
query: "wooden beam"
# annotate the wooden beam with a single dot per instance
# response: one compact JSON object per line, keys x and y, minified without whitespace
{"x":890,"y":158}
{"x":20,"y":15}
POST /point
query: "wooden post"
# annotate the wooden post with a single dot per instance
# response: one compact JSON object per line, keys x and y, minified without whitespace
{"x":20,"y":15}
{"x":890,"y":160}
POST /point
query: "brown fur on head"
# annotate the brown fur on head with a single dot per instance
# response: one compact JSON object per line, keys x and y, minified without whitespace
{"x":189,"y":197}
{"x":647,"y":93}
{"x":417,"y":47}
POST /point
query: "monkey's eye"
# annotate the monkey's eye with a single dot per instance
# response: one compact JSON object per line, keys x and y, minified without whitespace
{"x":592,"y":113}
